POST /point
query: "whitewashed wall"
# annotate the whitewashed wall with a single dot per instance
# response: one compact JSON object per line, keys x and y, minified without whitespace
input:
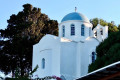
{"x":69,"y":56}
{"x":77,"y":23}
{"x":105,"y":32}
{"x":48,"y":48}
{"x":87,"y":47}
{"x":68,"y":60}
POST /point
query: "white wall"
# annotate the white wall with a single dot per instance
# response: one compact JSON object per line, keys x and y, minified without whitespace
{"x":77,"y":23}
{"x":88,"y":47}
{"x":76,"y":57}
{"x":47,"y":55}
{"x":68,"y":60}
{"x":48,"y":48}
{"x":69,"y":56}
{"x":105,"y":32}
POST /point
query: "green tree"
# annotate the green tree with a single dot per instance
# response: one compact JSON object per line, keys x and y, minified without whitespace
{"x":111,"y":26}
{"x":103,"y":22}
{"x":94,"y":22}
{"x":23,"y":31}
{"x":108,"y":52}
{"x":108,"y":48}
{"x":119,"y":27}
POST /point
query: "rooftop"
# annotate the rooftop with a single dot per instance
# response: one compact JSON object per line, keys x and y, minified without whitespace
{"x":75,"y":16}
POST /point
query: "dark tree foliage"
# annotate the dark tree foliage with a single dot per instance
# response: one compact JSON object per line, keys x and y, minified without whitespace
{"x":111,"y":26}
{"x":109,"y":47}
{"x":23,"y":31}
{"x":119,"y":27}
{"x":94,"y":21}
{"x":108,"y":52}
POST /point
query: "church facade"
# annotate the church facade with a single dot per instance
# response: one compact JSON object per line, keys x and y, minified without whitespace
{"x":69,"y":54}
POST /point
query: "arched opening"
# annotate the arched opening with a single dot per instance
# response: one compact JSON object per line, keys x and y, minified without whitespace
{"x":43,"y":63}
{"x":93,"y":57}
{"x":82,"y":30}
{"x":63,"y":31}
{"x":72,"y":29}
{"x":95,"y":33}
{"x":101,"y":31}
{"x":62,"y":77}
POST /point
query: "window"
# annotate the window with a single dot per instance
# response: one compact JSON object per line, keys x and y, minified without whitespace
{"x":82,"y":30}
{"x":43,"y":63}
{"x":101,"y":31}
{"x":95,"y":33}
{"x":62,"y":77}
{"x":72,"y":29}
{"x":93,"y":57}
{"x":89,"y":31}
{"x":63,"y":31}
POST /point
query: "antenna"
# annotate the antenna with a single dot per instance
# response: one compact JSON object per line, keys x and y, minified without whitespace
{"x":75,"y":9}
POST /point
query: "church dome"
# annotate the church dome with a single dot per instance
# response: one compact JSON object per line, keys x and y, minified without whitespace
{"x":75,"y":16}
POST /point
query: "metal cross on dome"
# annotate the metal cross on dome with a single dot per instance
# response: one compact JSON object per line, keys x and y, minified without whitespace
{"x":98,"y":21}
{"x":75,"y":9}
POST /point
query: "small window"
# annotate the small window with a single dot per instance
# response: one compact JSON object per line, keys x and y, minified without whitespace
{"x":82,"y":30}
{"x":63,"y":31}
{"x":72,"y":29}
{"x":95,"y":33}
{"x":89,"y":31}
{"x":43,"y":63}
{"x":93,"y":57}
{"x":101,"y":31}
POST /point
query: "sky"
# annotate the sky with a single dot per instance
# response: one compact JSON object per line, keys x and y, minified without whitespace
{"x":108,"y":10}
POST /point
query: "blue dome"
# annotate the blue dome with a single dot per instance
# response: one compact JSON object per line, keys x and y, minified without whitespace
{"x":75,"y":16}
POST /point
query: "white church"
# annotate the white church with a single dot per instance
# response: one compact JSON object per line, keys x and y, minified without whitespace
{"x":69,"y":54}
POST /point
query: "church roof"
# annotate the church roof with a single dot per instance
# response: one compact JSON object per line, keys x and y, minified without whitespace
{"x":75,"y":16}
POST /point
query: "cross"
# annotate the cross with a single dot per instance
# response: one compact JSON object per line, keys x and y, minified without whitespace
{"x":98,"y":21}
{"x":75,"y":9}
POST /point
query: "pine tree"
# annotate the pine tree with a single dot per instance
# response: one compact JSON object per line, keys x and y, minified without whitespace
{"x":23,"y":31}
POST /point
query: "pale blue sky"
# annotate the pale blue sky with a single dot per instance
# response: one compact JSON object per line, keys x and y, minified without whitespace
{"x":108,"y":10}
